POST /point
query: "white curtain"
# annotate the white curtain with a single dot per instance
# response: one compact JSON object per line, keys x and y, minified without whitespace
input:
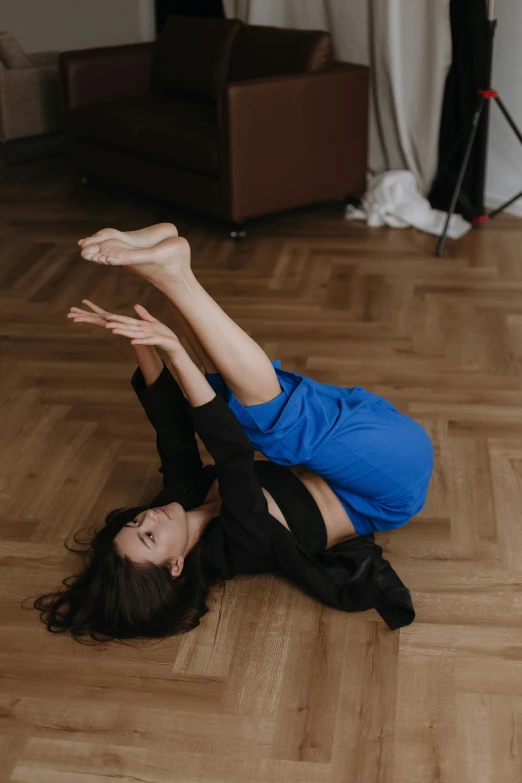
{"x":407,"y":43}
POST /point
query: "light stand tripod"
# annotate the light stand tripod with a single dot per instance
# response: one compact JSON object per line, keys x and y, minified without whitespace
{"x":485,"y":95}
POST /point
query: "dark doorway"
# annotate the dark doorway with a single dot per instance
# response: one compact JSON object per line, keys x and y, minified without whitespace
{"x":165,"y":8}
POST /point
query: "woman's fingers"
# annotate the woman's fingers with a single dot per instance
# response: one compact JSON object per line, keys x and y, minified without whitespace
{"x":94,"y":307}
{"x":91,"y":316}
{"x":124,"y":319}
{"x":143,"y":313}
{"x":122,"y":325}
{"x":130,"y":332}
{"x":129,"y":327}
{"x":85,"y":319}
{"x":145,"y":341}
{"x":125,"y":333}
{"x":99,"y":313}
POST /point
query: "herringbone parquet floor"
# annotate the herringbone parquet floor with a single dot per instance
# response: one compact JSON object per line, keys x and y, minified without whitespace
{"x":273,"y":686}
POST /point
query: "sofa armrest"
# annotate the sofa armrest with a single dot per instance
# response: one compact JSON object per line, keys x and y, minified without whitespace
{"x":29,"y":101}
{"x":293,"y":140}
{"x":105,"y":74}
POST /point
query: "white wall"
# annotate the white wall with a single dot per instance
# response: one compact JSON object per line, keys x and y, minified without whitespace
{"x":504,"y":178}
{"x":45,"y":25}
{"x":346,"y":19}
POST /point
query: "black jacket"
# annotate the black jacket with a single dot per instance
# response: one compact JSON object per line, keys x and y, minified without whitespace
{"x":246,"y":538}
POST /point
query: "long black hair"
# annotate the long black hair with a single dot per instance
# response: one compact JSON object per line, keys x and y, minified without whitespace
{"x":115,"y":598}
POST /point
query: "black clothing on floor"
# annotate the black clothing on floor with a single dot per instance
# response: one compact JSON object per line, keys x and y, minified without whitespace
{"x":245,"y":538}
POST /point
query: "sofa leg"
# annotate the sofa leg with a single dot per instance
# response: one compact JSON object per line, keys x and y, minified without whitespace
{"x":352,"y":201}
{"x":5,"y":154}
{"x":237,"y":232}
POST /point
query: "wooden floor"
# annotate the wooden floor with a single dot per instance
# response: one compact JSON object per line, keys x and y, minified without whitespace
{"x":273,"y":686}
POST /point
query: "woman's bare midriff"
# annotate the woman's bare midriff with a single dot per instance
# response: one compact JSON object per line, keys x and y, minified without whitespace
{"x":337,"y":522}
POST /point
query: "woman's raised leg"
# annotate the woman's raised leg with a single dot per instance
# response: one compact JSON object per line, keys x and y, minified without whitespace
{"x":200,"y":353}
{"x":245,"y":367}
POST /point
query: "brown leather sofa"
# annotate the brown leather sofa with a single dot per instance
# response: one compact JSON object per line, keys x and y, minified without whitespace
{"x":234,"y":120}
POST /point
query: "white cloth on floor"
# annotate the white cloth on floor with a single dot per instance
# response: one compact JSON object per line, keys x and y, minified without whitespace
{"x":394,"y":199}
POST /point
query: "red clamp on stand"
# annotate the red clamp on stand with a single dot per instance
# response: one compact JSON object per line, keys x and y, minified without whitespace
{"x":488,"y":93}
{"x":479,"y":219}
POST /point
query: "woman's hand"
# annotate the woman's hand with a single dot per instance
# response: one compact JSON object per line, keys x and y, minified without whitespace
{"x":147,"y":331}
{"x":149,"y":362}
{"x":98,"y":316}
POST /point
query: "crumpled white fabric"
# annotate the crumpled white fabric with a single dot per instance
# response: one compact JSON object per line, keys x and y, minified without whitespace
{"x":394,"y":199}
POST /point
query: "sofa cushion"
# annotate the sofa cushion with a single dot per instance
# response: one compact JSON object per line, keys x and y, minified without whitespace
{"x":181,"y":133}
{"x":112,"y":123}
{"x":260,"y":52}
{"x":192,"y":57}
{"x":11,"y":53}
{"x":186,"y":137}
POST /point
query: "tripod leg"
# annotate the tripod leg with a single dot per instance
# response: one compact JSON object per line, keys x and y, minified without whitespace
{"x":458,"y":187}
{"x":518,"y":134}
{"x":504,"y":206}
{"x":509,"y":118}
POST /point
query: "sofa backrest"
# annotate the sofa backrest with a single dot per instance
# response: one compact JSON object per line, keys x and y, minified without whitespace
{"x":192,"y":56}
{"x":260,"y":52}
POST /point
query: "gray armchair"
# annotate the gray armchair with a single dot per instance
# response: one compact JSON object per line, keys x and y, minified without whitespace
{"x":29,"y":96}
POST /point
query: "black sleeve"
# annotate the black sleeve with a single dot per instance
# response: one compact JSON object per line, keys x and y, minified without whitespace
{"x":244,"y":514}
{"x":168,"y":412}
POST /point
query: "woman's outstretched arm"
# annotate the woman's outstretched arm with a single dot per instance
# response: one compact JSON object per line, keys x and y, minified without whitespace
{"x":195,"y":386}
{"x":149,"y":332}
{"x":164,"y":404}
{"x":149,"y":361}
{"x":244,"y":365}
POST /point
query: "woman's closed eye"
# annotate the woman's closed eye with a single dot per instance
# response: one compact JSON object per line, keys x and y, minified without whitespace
{"x":137,"y":524}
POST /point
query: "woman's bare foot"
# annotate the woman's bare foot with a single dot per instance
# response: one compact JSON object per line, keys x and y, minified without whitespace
{"x":143,"y":237}
{"x":171,"y":255}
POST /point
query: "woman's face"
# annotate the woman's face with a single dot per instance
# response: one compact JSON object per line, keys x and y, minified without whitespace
{"x":155,"y":536}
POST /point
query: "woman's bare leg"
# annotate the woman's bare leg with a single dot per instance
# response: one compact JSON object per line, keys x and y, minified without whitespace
{"x":245,"y":367}
{"x":218,"y":342}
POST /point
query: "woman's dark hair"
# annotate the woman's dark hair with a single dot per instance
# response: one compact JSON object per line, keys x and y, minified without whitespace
{"x":115,"y":598}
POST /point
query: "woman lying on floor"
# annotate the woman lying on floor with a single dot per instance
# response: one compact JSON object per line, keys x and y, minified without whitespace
{"x":363,"y":467}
